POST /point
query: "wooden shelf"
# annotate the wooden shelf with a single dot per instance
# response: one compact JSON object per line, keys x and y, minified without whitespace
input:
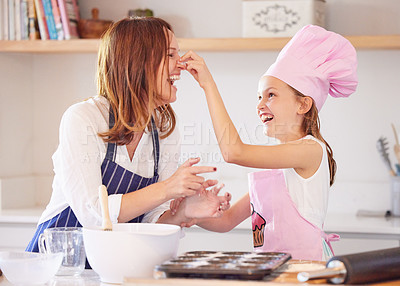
{"x":50,"y":46}
{"x":383,"y":42}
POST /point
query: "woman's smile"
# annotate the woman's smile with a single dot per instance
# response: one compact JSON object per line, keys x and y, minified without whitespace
{"x":174,"y":78}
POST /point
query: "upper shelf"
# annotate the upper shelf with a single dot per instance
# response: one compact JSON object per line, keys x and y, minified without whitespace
{"x":198,"y":44}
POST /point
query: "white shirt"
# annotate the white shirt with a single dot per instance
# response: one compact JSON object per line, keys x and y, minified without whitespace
{"x":78,"y":158}
{"x":311,"y":195}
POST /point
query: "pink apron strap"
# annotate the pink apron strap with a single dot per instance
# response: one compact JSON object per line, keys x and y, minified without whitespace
{"x":330,"y":237}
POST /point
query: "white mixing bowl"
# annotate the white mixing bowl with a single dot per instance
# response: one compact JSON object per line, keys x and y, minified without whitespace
{"x":29,"y":268}
{"x":130,"y":249}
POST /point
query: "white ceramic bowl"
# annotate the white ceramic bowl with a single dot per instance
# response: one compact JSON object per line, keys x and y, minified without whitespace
{"x":130,"y":249}
{"x":29,"y":267}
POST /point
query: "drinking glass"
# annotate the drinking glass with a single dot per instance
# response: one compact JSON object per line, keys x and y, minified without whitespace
{"x":69,"y":241}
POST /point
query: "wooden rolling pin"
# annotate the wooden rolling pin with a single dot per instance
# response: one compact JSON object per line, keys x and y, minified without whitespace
{"x":359,"y":268}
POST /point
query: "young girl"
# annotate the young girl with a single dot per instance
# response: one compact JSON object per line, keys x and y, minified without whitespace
{"x":288,"y":200}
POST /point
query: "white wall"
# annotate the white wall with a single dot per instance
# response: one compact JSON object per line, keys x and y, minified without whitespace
{"x":16,"y":131}
{"x":30,"y":112}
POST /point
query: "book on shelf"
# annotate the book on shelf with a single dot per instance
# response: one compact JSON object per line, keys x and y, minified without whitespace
{"x":17,"y":19}
{"x":1,"y":21}
{"x":51,"y":25}
{"x":21,"y":19}
{"x":4,"y":15}
{"x":33,"y":26}
{"x":24,"y":20}
{"x":57,"y":20}
{"x":11,"y":20}
{"x":69,"y":12}
{"x":43,"y":31}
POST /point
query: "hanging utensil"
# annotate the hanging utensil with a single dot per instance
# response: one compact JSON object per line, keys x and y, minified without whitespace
{"x":103,"y":196}
{"x":359,"y":268}
{"x":382,"y":147}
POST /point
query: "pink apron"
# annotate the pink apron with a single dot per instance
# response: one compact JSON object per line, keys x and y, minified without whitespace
{"x":276,"y":222}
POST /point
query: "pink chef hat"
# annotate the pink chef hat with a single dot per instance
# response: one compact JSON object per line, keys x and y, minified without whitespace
{"x":317,"y":62}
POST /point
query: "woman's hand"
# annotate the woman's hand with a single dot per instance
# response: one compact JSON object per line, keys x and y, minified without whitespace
{"x":185,"y":181}
{"x":196,"y":66}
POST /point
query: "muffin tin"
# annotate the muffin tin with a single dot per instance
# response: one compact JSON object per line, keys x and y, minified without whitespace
{"x":223,"y":265}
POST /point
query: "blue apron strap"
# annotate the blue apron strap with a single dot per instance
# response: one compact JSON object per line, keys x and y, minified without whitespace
{"x":111,"y":147}
{"x":156,"y":145}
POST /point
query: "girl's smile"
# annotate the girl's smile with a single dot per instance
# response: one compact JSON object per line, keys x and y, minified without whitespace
{"x":278,"y":109}
{"x":266,"y":117}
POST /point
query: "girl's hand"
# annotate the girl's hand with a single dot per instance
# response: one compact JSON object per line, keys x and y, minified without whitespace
{"x":196,"y":66}
{"x":174,"y":204}
{"x":206,"y":204}
{"x":189,"y":223}
{"x":185,"y":181}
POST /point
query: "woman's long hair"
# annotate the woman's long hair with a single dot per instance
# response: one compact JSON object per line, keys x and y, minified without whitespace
{"x":311,"y":126}
{"x":130,"y":54}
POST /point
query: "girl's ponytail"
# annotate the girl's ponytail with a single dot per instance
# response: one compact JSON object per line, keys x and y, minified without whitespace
{"x":311,"y":126}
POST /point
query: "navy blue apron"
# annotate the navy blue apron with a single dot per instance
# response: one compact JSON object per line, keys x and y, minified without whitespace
{"x":117,"y":180}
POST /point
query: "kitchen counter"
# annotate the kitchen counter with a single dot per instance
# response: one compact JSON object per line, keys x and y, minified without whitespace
{"x":351,"y":225}
{"x":288,"y":280}
{"x":17,"y":227}
{"x":87,"y":278}
{"x":90,"y":278}
{"x":27,"y":215}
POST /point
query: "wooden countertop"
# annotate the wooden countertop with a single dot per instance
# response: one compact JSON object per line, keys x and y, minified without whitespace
{"x":287,"y":275}
{"x":286,"y":279}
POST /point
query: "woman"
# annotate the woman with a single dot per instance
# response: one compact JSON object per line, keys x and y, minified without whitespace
{"x":125,"y":138}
